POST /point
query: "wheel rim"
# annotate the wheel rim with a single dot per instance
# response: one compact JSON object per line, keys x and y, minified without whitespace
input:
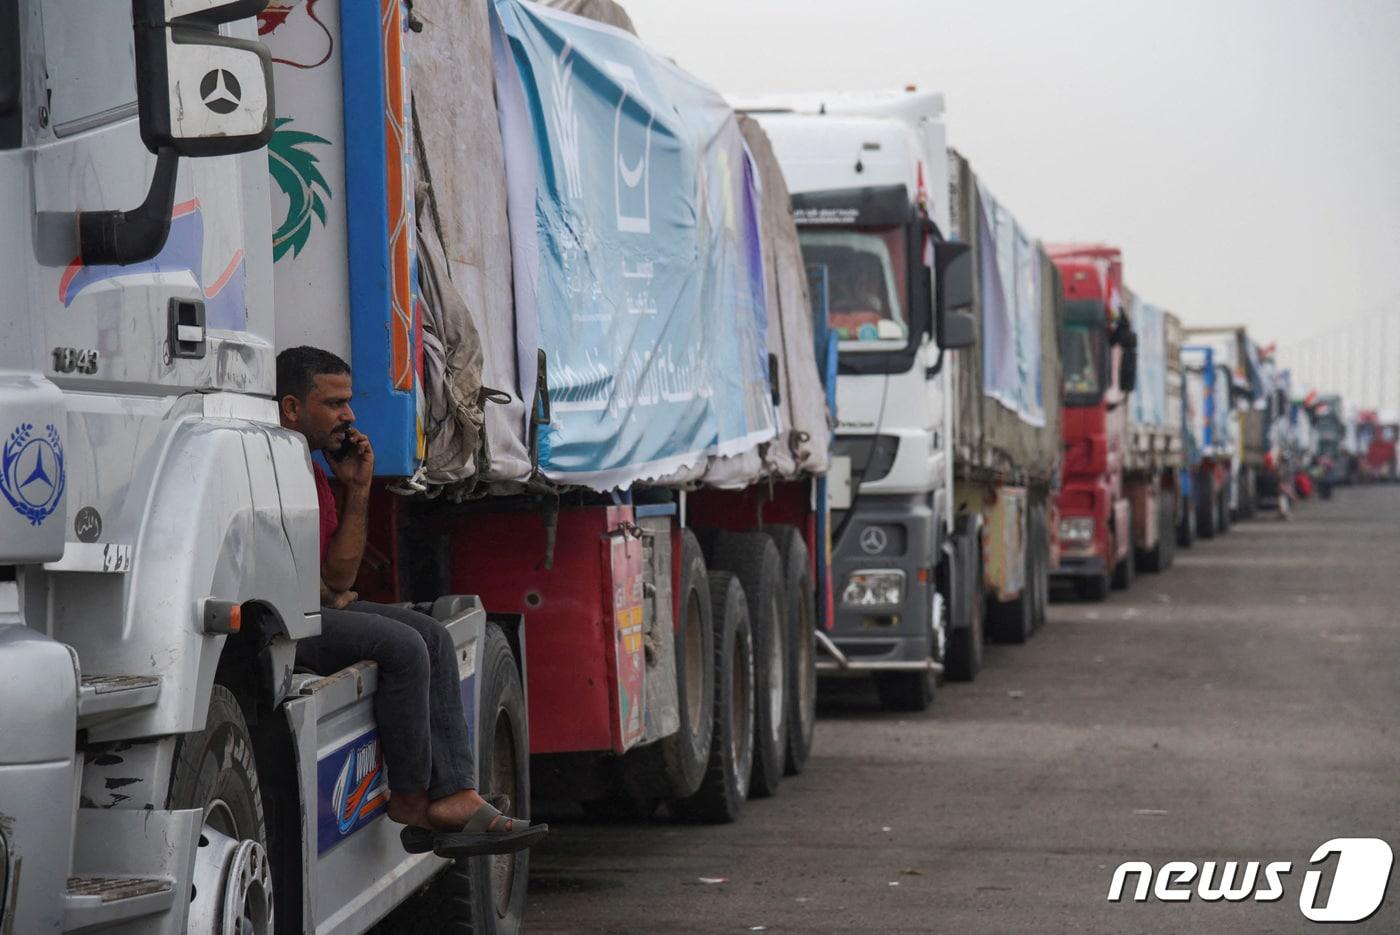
{"x":231,"y":893}
{"x":777,"y":664}
{"x":504,"y":773}
{"x":940,"y":627}
{"x":694,"y":665}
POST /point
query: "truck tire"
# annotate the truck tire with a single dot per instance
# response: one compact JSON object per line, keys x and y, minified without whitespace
{"x":483,"y":895}
{"x":730,"y":759}
{"x":1155,"y":558}
{"x":1186,"y":526}
{"x":214,"y":770}
{"x":1165,"y":534}
{"x":1123,"y":571}
{"x":673,"y":767}
{"x":1040,"y":548}
{"x":1222,"y":524}
{"x":966,"y":630}
{"x":753,"y":558}
{"x":1013,"y":621}
{"x":801,"y":646}
{"x":1207,"y":506}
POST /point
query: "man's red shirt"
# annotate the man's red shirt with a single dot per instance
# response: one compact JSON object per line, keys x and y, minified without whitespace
{"x":330,"y":519}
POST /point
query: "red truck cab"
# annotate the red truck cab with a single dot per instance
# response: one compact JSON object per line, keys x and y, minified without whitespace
{"x":1095,"y":528}
{"x":1376,"y":443}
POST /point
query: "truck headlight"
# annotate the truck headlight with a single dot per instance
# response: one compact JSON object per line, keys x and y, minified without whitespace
{"x":879,"y":588}
{"x":1077,"y":529}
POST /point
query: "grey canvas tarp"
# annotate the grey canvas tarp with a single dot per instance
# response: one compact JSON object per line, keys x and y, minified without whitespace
{"x":471,"y":325}
{"x":992,"y":438}
{"x":804,"y":429}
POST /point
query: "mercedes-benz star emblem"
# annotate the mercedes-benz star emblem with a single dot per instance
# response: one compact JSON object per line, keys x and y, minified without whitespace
{"x":220,"y":91}
{"x":873,"y":540}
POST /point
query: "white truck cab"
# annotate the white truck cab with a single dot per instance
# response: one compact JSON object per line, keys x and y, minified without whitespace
{"x":869,"y":178}
{"x":164,"y":769}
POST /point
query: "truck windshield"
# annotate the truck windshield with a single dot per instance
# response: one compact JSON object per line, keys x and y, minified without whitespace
{"x":1082,"y":352}
{"x":865,"y":272}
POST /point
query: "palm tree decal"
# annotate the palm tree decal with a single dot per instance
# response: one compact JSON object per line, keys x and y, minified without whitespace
{"x":293,"y":167}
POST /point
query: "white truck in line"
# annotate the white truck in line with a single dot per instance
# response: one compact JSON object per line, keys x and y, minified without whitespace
{"x":940,"y":494}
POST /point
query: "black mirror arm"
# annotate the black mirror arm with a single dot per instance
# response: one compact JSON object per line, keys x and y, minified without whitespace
{"x":937,"y":367}
{"x":124,"y":237}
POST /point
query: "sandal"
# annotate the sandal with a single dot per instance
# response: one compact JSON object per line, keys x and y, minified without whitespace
{"x":479,"y":835}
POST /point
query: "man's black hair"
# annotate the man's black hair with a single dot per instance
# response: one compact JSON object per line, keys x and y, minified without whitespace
{"x":298,"y":368}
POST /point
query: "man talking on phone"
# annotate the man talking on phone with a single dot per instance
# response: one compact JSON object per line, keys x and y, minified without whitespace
{"x":418,"y":705}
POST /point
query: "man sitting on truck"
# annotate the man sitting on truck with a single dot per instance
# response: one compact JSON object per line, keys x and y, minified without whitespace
{"x":418,"y":703}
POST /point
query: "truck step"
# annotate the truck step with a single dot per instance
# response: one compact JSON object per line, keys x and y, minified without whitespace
{"x":100,"y":901}
{"x":103,"y":696}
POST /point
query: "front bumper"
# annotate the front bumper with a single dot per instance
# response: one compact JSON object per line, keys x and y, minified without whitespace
{"x":1079,"y":566}
{"x":886,"y":533}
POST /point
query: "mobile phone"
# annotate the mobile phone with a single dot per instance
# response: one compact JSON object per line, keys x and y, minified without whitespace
{"x":346,"y":449}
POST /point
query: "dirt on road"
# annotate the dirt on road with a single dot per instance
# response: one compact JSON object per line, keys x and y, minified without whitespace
{"x":1241,"y":706}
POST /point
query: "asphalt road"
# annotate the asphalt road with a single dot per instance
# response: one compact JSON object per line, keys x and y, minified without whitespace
{"x":1241,"y":706}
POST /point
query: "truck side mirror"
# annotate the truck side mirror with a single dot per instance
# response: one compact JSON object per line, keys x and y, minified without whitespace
{"x":954,"y":325}
{"x":1127,"y":364}
{"x":198,"y":93}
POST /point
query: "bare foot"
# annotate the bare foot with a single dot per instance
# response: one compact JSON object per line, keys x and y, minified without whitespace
{"x":451,"y":812}
{"x":409,"y":808}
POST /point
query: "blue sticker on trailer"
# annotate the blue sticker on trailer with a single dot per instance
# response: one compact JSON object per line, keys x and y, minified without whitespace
{"x":352,"y":784}
{"x":649,"y":287}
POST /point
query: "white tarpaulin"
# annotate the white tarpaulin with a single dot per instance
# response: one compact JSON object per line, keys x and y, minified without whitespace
{"x":1149,"y":397}
{"x":1011,"y":347}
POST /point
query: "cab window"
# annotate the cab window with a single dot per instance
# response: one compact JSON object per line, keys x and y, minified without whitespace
{"x":91,"y":62}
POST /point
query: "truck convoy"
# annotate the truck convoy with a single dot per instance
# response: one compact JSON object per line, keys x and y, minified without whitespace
{"x":583,"y":302}
{"x":951,"y":457}
{"x":585,"y":360}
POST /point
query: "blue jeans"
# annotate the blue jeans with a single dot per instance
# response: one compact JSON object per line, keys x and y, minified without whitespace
{"x":418,"y":701}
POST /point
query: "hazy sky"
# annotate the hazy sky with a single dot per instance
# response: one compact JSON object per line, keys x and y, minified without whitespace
{"x":1245,"y":154}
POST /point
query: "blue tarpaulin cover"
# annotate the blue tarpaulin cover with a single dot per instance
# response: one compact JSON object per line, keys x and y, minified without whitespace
{"x":643,"y":269}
